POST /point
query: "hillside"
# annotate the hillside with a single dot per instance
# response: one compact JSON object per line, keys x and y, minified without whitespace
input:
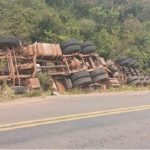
{"x":118,"y":27}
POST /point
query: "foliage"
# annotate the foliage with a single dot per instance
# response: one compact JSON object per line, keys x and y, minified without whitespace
{"x":6,"y":92}
{"x":45,"y":81}
{"x":118,"y":27}
{"x":128,"y":88}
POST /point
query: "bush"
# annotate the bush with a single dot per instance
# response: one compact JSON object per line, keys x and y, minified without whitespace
{"x":6,"y":92}
{"x":46,"y":81}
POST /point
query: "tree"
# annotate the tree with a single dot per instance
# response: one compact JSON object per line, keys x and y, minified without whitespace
{"x":117,"y":27}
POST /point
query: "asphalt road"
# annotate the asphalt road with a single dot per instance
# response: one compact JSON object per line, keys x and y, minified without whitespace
{"x":88,"y":121}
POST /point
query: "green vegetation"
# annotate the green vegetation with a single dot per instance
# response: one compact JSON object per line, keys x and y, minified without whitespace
{"x":34,"y":93}
{"x":118,"y":27}
{"x":129,"y":88}
{"x":46,"y":81}
{"x":6,"y":93}
{"x":75,"y":91}
{"x":124,"y":88}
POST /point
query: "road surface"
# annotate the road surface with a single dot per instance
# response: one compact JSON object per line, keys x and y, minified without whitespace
{"x":115,"y":120}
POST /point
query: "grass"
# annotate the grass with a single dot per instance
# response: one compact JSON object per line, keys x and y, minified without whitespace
{"x":34,"y":93}
{"x":128,"y":88}
{"x":123,"y":88}
{"x":76,"y":91}
{"x":7,"y":93}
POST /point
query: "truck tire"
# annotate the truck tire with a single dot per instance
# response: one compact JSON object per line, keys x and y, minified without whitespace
{"x":125,"y":62}
{"x":88,"y":49}
{"x":131,"y":64}
{"x":69,"y":43}
{"x":131,"y":79}
{"x":71,"y":49}
{"x":79,"y":75}
{"x":82,"y":81}
{"x":9,"y":42}
{"x":121,"y":59}
{"x":100,"y":78}
{"x":19,"y":89}
{"x":86,"y":44}
{"x":134,"y":83}
{"x":97,"y":72}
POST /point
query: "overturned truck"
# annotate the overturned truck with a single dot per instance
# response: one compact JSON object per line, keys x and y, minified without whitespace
{"x":71,"y":64}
